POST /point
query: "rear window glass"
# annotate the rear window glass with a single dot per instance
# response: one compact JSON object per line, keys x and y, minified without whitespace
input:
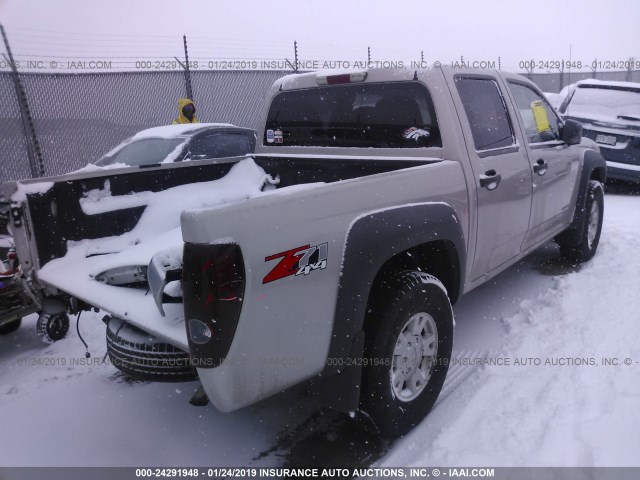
{"x":607,"y":101}
{"x":397,"y":114}
{"x":486,"y":112}
{"x":220,"y":145}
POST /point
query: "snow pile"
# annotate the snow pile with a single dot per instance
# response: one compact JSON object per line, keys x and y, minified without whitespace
{"x":571,"y":409}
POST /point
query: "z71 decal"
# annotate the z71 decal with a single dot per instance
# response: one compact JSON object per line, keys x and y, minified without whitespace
{"x":298,"y":261}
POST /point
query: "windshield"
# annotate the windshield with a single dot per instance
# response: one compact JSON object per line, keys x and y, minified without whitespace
{"x":146,"y":151}
{"x":606,"y":101}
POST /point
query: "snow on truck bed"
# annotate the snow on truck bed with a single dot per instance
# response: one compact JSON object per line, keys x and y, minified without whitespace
{"x":157,"y":230}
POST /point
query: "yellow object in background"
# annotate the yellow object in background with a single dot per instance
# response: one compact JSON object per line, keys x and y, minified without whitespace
{"x":183,"y":102}
{"x":540,"y":116}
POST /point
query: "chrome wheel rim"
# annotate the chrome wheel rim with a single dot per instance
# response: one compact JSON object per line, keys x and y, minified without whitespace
{"x":414,"y":356}
{"x":594,"y":219}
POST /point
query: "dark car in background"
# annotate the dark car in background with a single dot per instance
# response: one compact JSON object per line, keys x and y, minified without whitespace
{"x":177,"y":143}
{"x":151,"y":150}
{"x":610,"y":116}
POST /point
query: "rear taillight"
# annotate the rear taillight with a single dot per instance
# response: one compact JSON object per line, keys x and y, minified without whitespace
{"x":213,"y":289}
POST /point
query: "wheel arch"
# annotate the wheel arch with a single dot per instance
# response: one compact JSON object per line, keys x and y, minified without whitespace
{"x":594,"y":167}
{"x":426,"y":237}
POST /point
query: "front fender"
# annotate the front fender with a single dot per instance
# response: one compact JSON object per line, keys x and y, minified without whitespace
{"x":593,"y":166}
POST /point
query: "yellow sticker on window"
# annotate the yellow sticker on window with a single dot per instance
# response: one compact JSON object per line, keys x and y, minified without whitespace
{"x":540,"y":115}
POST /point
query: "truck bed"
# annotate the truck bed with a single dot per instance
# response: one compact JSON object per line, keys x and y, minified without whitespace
{"x":83,"y":225}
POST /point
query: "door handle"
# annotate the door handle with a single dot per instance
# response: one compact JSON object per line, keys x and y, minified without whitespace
{"x":490,"y":179}
{"x":540,"y":167}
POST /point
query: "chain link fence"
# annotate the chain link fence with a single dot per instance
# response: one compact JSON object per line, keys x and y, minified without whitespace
{"x":79,"y":117}
{"x":14,"y":162}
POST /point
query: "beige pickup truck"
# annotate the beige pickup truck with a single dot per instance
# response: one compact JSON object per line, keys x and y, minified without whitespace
{"x":332,"y":255}
{"x":413,"y":189}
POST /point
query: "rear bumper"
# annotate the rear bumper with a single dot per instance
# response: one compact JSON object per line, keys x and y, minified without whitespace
{"x":623,"y":159}
{"x":623,"y":171}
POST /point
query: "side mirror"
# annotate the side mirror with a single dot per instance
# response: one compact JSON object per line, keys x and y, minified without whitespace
{"x":571,"y":132}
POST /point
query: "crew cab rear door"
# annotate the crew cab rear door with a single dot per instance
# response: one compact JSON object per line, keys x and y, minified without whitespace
{"x":501,"y":169}
{"x":554,"y":164}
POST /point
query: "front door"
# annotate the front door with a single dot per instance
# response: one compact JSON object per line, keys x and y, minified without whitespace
{"x":554,"y":164}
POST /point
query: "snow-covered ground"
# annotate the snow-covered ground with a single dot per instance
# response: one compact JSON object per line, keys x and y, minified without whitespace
{"x":58,"y":408}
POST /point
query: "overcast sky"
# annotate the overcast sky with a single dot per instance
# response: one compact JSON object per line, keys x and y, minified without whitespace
{"x":329,"y":29}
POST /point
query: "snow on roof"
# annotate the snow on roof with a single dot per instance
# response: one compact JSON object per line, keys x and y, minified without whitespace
{"x":173,"y":131}
{"x":609,"y":83}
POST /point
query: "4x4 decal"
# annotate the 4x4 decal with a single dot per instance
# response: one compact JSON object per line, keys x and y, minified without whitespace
{"x":298,"y":261}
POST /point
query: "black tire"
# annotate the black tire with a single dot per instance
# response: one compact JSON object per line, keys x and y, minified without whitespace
{"x":10,"y":327}
{"x":393,"y":304}
{"x":52,"y":327}
{"x":586,"y":248}
{"x":143,"y":357}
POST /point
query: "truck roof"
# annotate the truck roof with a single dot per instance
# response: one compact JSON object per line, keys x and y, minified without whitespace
{"x":367,"y":75}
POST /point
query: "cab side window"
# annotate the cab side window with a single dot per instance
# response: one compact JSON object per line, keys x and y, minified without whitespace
{"x":540,"y":122}
{"x":486,"y":112}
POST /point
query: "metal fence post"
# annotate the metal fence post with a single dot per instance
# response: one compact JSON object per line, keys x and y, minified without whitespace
{"x":561,"y":78}
{"x":36,"y":163}
{"x":187,"y":72}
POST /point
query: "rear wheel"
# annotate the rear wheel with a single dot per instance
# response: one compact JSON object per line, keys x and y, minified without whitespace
{"x":592,"y":228}
{"x":52,"y":327}
{"x":408,"y":342}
